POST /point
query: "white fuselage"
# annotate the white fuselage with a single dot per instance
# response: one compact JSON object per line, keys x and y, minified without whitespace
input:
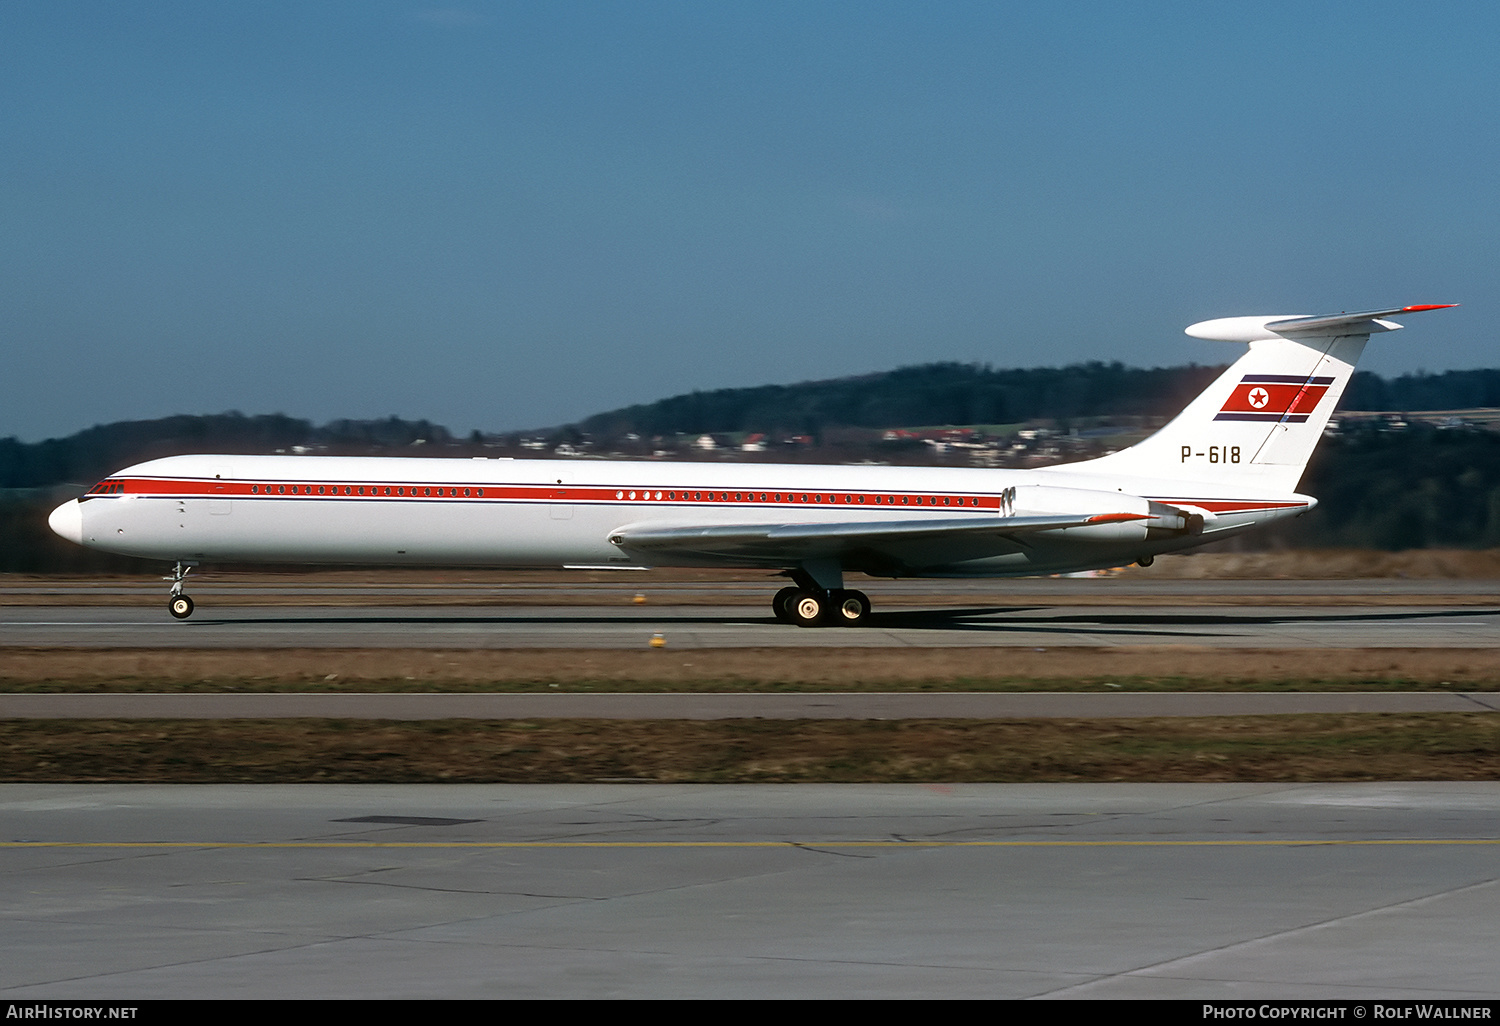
{"x":550,"y":513}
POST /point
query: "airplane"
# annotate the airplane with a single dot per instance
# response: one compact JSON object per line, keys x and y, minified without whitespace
{"x":1229,"y":462}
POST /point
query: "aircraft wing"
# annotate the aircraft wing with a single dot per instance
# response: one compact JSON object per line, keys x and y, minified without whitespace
{"x":889,"y":541}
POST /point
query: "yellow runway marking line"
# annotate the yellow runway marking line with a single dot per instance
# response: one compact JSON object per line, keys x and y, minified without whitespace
{"x":1289,"y":842}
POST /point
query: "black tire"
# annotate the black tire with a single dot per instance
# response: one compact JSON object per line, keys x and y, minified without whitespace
{"x":809,"y":608}
{"x":181,"y":607}
{"x":781,"y":605}
{"x":851,"y":608}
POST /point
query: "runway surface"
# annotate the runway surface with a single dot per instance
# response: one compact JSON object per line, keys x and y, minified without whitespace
{"x":698,"y":706}
{"x":706,"y":627}
{"x":622,"y":587}
{"x":1237,"y":891}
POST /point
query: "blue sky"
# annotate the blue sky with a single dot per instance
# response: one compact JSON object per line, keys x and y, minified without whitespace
{"x":513,"y":215}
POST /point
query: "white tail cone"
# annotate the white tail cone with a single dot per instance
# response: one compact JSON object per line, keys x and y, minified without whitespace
{"x":66,"y":521}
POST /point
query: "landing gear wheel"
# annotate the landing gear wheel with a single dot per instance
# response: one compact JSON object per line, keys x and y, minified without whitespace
{"x":178,"y":604}
{"x":852,"y":608}
{"x":808,"y":608}
{"x":781,"y":605}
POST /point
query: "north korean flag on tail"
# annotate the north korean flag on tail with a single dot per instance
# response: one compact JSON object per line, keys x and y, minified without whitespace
{"x":1277,"y":398}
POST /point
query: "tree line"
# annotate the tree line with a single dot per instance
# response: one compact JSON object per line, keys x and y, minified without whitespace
{"x":955,"y":393}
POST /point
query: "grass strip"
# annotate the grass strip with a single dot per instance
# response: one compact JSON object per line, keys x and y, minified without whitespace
{"x":1134,"y":668}
{"x":1433,"y":746}
{"x":1008,"y":685}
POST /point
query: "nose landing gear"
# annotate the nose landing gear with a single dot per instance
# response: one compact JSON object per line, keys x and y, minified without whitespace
{"x":180,"y":605}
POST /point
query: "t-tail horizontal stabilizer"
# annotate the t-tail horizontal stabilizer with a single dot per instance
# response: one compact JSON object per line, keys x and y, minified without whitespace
{"x":1255,"y":329}
{"x":1253,"y":430}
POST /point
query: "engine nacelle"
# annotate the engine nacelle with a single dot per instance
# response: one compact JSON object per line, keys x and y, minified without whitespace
{"x":1120,"y":517}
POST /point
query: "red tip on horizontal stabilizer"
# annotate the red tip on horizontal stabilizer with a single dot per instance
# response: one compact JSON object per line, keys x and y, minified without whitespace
{"x":1429,"y":306}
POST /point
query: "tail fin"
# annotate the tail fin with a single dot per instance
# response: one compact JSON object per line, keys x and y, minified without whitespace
{"x":1256,"y":426}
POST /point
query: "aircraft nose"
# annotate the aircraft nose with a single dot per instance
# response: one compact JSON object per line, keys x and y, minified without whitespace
{"x":66,"y":521}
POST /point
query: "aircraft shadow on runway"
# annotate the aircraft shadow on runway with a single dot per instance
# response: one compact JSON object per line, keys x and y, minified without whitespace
{"x":977,"y":619}
{"x":1010,"y":619}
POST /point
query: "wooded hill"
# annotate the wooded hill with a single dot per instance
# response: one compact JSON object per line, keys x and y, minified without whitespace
{"x":952,"y":393}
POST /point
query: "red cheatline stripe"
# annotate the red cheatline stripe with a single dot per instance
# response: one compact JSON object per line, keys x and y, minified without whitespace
{"x":225,"y":489}
{"x":598,"y":494}
{"x":216,"y":488}
{"x":1231,"y":506}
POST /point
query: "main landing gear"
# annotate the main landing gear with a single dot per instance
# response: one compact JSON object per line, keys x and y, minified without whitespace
{"x":816,"y":607}
{"x":180,"y":605}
